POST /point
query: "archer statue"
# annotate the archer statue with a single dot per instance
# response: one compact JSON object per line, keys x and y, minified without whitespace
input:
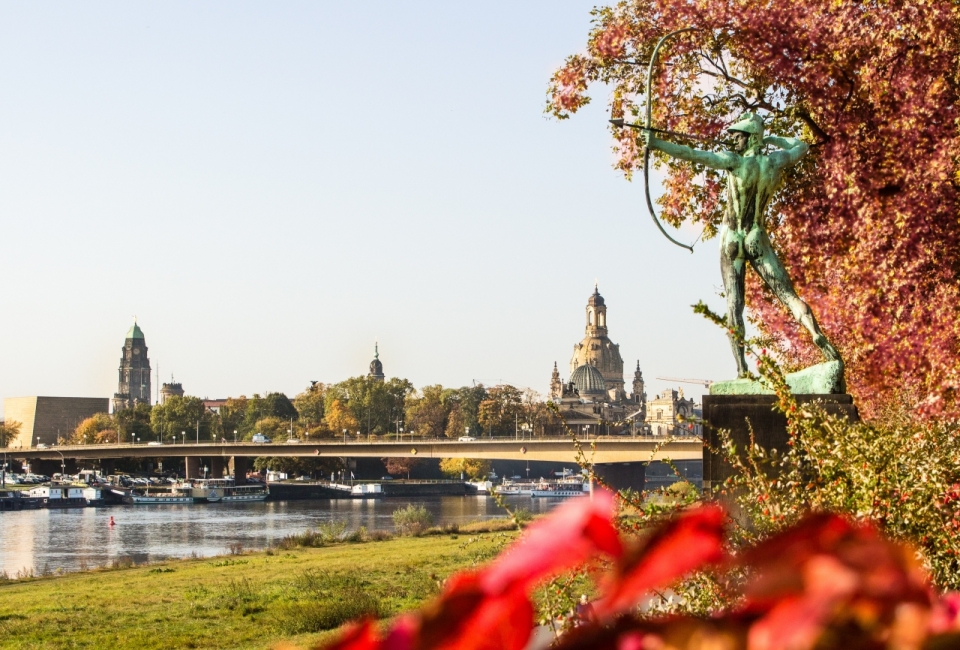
{"x":752,"y":179}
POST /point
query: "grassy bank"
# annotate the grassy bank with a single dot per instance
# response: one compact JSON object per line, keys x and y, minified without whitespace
{"x":246,"y":601}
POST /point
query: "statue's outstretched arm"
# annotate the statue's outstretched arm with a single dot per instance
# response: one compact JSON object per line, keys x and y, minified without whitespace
{"x":792,"y":150}
{"x":721,"y":160}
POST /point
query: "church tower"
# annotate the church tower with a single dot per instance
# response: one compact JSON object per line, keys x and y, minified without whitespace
{"x":639,"y":395}
{"x":596,"y":348}
{"x":134,"y":383}
{"x":556,"y":388}
{"x":376,"y":368}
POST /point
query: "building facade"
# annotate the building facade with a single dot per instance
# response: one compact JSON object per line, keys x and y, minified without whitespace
{"x":594,"y":398}
{"x":45,"y":420}
{"x":671,"y":414}
{"x":172,"y":389}
{"x":596,"y":348}
{"x":134,"y":382}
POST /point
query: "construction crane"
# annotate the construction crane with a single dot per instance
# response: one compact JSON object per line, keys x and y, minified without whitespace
{"x":706,"y":383}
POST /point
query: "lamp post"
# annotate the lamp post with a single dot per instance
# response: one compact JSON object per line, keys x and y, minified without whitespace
{"x":344,"y":435}
{"x":234,"y":436}
{"x":183,"y":437}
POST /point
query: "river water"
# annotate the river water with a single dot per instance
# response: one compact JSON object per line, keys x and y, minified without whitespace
{"x":41,"y":541}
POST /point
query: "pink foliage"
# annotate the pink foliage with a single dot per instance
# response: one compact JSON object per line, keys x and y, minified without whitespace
{"x":868,"y":227}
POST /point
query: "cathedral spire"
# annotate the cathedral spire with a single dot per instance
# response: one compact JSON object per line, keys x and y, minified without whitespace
{"x":376,"y":368}
{"x":556,"y":388}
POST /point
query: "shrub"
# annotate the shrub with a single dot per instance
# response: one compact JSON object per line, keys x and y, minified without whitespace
{"x":332,"y":531}
{"x":412,"y":520}
{"x":327,"y":600}
{"x":307,"y":617}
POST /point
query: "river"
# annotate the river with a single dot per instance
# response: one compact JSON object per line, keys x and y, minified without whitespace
{"x":41,"y":541}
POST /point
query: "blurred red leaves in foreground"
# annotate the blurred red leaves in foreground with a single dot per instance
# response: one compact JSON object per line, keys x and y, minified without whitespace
{"x":825,"y":583}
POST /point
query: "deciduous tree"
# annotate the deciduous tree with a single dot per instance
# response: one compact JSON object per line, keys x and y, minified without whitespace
{"x":473,"y":468}
{"x":9,"y":431}
{"x":867,"y":224}
{"x":181,"y":414}
{"x":340,"y":417}
{"x":400,"y":465}
{"x":97,"y":429}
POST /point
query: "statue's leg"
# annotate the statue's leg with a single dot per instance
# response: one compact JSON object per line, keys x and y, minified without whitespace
{"x":769,"y":267}
{"x":733,"y":270}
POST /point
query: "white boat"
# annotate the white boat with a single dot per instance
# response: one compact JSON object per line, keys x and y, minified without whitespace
{"x":157,"y":497}
{"x":224,"y":490}
{"x":576,"y":490}
{"x":201,"y":491}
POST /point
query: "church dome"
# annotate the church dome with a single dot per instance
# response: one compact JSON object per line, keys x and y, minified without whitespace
{"x":135,"y":332}
{"x":376,"y":368}
{"x":589,"y":381}
{"x":596,"y":300}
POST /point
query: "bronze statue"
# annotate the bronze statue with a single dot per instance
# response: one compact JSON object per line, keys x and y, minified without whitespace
{"x":752,"y":179}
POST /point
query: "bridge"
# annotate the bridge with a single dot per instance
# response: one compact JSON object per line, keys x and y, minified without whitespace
{"x":619,"y":460}
{"x":597,"y":450}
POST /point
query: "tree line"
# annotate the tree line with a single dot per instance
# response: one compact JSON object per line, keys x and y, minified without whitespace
{"x":358,"y":406}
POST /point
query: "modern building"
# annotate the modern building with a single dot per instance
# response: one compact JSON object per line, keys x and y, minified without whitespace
{"x":376,"y":368}
{"x":44,"y":420}
{"x":134,"y":384}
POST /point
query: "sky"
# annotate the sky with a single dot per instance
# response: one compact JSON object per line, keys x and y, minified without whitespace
{"x":271,"y":187}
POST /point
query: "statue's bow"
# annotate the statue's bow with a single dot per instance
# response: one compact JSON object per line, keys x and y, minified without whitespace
{"x":649,"y":127}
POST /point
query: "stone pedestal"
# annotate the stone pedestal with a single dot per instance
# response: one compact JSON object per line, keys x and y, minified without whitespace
{"x":732,"y":412}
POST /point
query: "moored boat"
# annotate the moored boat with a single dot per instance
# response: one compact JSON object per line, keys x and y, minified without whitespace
{"x":199,"y":491}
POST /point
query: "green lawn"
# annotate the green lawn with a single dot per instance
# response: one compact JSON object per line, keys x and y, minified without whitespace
{"x":252,"y":600}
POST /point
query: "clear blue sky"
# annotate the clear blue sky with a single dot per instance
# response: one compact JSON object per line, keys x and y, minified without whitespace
{"x":270,"y":187}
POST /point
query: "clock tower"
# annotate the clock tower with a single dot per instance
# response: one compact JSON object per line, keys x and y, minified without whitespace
{"x":134,"y":384}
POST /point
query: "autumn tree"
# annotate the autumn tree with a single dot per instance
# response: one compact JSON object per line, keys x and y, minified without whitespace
{"x":400,"y":465}
{"x":867,"y":224}
{"x":428,"y":412}
{"x":310,"y":405}
{"x":472,"y":468}
{"x":340,"y":418}
{"x":375,"y":405}
{"x":465,"y":410}
{"x":500,"y":412}
{"x":9,"y":431}
{"x":97,"y":429}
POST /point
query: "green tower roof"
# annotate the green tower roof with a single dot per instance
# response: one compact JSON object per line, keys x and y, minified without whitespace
{"x":135,"y":332}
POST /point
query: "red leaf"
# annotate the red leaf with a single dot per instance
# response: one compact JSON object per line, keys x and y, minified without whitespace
{"x":685,"y":543}
{"x":357,"y":636}
{"x":466,"y":617}
{"x":572,"y":534}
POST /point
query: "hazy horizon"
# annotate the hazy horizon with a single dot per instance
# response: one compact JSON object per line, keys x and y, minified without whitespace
{"x":270,"y":188}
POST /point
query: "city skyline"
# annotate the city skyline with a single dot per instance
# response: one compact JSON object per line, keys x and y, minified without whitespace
{"x":268,"y":213}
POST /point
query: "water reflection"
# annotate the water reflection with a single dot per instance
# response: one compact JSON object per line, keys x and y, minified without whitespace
{"x":69,"y":540}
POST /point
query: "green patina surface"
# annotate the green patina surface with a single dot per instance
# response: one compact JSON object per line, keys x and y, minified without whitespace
{"x":821,"y":379}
